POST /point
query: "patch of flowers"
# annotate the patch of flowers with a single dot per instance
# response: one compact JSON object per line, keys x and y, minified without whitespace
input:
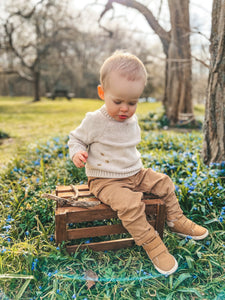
{"x":27,"y":219}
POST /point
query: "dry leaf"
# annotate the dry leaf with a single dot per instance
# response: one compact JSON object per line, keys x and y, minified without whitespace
{"x":91,"y":278}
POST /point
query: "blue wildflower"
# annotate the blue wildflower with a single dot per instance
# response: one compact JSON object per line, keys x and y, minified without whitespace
{"x":37,"y":162}
{"x":56,"y":139}
{"x":33,"y":266}
{"x":221,"y":219}
{"x":7,"y":227}
{"x":9,"y":219}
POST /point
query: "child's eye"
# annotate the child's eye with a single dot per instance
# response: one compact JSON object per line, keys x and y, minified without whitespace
{"x":117,"y":102}
{"x":132,"y":103}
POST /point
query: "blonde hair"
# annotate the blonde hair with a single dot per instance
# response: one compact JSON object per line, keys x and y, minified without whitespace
{"x":126,"y":64}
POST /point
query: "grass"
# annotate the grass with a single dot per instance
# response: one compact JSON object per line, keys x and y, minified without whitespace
{"x":32,"y":266}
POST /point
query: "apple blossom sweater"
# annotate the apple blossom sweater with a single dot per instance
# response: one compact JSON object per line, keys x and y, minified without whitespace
{"x":111,"y":145}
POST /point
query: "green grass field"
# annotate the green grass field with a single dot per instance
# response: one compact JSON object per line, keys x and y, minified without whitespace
{"x":35,"y":160}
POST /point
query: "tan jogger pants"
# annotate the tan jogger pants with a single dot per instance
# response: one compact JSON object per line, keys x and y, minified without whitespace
{"x":125,"y":196}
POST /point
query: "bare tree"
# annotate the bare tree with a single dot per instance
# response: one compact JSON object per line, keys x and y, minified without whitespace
{"x":214,"y":128}
{"x":30,"y":35}
{"x":176,"y":46}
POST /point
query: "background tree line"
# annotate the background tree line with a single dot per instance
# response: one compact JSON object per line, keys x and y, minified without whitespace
{"x":44,"y":44}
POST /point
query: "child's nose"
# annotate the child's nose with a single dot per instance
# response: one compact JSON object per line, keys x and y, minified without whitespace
{"x":124,"y":107}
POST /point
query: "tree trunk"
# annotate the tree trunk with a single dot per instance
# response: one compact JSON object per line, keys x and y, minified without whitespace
{"x":36,"y":86}
{"x":176,"y":46}
{"x":178,"y":96}
{"x":214,"y":127}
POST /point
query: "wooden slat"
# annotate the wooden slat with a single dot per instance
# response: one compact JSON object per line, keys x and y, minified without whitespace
{"x":60,"y":228}
{"x":85,"y":194}
{"x":87,"y":232}
{"x":63,"y":188}
{"x":79,"y":233}
{"x":82,"y":187}
{"x":104,"y":246}
{"x":91,"y":214}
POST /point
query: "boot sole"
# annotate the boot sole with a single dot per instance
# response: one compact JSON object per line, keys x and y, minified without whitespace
{"x":194,"y":237}
{"x":167,"y":272}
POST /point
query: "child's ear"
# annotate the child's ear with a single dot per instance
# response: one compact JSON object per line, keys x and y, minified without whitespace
{"x":100,"y":92}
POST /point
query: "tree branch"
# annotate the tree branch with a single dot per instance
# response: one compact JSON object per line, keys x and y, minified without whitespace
{"x":201,"y":61}
{"x":9,"y":29}
{"x":154,"y":24}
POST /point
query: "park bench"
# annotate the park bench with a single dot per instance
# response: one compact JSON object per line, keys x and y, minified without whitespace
{"x":60,"y":92}
{"x":65,"y":215}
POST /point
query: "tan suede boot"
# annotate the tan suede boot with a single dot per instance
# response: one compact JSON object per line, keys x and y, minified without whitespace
{"x":162,"y":260}
{"x":185,"y":227}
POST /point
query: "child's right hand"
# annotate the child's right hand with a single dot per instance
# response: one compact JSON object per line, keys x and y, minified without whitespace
{"x":80,"y":158}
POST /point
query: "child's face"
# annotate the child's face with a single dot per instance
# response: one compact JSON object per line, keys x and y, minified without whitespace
{"x":121,"y":96}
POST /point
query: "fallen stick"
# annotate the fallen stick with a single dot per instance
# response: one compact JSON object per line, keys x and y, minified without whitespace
{"x":73,"y":201}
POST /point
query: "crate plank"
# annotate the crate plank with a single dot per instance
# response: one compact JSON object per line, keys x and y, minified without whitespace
{"x":104,"y":246}
{"x":79,"y":233}
{"x":60,"y":228}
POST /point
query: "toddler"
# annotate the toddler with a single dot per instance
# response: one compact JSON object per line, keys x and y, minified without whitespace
{"x":105,"y":143}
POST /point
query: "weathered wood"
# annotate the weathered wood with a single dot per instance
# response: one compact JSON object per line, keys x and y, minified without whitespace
{"x":79,"y":233}
{"x":60,"y":228}
{"x":154,"y":208}
{"x":72,"y":201}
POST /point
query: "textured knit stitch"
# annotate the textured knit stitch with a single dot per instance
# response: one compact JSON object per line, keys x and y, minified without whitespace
{"x":111,"y":145}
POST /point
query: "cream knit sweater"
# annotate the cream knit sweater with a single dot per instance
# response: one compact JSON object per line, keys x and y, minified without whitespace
{"x":111,"y":145}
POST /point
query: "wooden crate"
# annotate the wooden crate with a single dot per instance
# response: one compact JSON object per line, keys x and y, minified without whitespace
{"x":155,"y":211}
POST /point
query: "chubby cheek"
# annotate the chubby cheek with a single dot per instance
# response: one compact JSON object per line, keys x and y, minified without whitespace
{"x":132,"y":110}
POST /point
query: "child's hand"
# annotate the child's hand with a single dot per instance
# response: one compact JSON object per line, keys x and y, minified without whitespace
{"x":80,"y":158}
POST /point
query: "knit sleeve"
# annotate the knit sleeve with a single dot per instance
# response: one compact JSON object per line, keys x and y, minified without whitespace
{"x":82,"y":136}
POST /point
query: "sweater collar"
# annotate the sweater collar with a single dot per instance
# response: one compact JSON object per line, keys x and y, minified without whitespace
{"x":105,"y":113}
